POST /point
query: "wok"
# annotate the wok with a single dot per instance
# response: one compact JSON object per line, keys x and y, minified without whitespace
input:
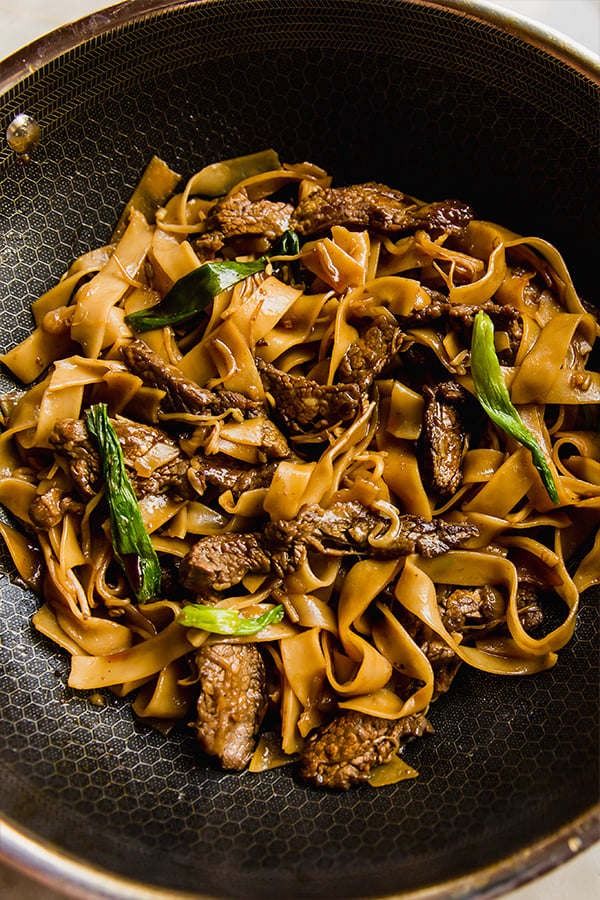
{"x":436,"y":98}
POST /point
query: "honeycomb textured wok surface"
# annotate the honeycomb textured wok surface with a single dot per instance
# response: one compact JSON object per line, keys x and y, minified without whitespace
{"x":426,"y":101}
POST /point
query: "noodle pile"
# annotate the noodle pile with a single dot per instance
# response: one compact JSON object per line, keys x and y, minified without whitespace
{"x":356,"y":628}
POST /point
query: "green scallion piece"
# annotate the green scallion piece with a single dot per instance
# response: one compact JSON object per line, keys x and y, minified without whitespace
{"x":226,"y":621}
{"x":495,"y":399}
{"x":131,"y":542}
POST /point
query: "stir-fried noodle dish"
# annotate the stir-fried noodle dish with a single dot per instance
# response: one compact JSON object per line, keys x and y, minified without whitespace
{"x":284,"y":454}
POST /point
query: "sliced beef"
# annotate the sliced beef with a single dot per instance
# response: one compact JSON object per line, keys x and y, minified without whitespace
{"x":181,"y":393}
{"x":530,"y":611}
{"x":237,"y":215}
{"x":303,"y":406}
{"x":49,"y":508}
{"x":71,"y":439}
{"x":364,"y":360}
{"x":219,"y":562}
{"x":343,"y":752}
{"x":378,"y":207}
{"x":445,"y":317}
{"x":444,"y":436}
{"x":217,"y":471}
{"x":207,"y":246}
{"x":347,"y":527}
{"x":232,"y":701}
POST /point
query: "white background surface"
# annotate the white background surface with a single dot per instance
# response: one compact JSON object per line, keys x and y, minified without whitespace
{"x":21,"y":21}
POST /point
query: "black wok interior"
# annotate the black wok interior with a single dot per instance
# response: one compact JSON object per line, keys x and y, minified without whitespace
{"x":438,"y":105}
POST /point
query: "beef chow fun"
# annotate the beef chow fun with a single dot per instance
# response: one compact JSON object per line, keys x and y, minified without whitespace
{"x":284,"y":455}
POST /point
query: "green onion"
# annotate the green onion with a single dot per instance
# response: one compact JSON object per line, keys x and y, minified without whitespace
{"x":191,"y":294}
{"x":495,"y":399}
{"x":131,"y":542}
{"x":226,"y":621}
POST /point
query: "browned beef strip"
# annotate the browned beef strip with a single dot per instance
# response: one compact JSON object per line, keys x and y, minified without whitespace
{"x":375,"y":206}
{"x":71,"y":439}
{"x":444,"y":436}
{"x":217,"y":562}
{"x":344,"y":751}
{"x":49,"y":508}
{"x":370,"y":354}
{"x":207,"y":246}
{"x":304,"y":406}
{"x":441,"y":314}
{"x":232,"y":701}
{"x":346,"y":528}
{"x":181,"y":393}
{"x":237,"y":215}
{"x":219,"y":473}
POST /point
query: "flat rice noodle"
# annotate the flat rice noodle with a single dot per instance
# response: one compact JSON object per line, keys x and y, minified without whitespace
{"x":479,"y":465}
{"x":325,"y":478}
{"x":26,"y":555}
{"x":391,"y":773}
{"x":234,"y":361}
{"x":95,"y":299}
{"x":415,"y":590}
{"x":333,"y":265}
{"x":356,"y":244}
{"x":9,"y":458}
{"x":565,"y":588}
{"x":32,"y":356}
{"x":70,"y":554}
{"x":363,"y":583}
{"x":173,"y":257}
{"x":288,"y":487}
{"x":576,"y":388}
{"x":344,"y":335}
{"x":304,"y":665}
{"x":313,"y":574}
{"x":539,"y":370}
{"x":508,"y":485}
{"x":402,"y":474}
{"x":392,"y":639}
{"x":568,"y":294}
{"x":157,"y":509}
{"x":587,"y":443}
{"x":291,"y":710}
{"x":269,"y":754}
{"x":404,"y":420}
{"x":311,"y":612}
{"x":98,"y":637}
{"x":152,"y":191}
{"x":257,"y":313}
{"x":307,"y":320}
{"x":202,"y":519}
{"x":588,"y":570}
{"x":45,"y":621}
{"x":117,"y":390}
{"x":481,"y":291}
{"x":248,"y":505}
{"x":17,"y":495}
{"x":166,"y":698}
{"x":219,"y":178}
{"x":140,"y":661}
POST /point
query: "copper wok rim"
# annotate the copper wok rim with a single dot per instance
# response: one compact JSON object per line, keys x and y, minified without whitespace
{"x":49,"y":865}
{"x":49,"y":47}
